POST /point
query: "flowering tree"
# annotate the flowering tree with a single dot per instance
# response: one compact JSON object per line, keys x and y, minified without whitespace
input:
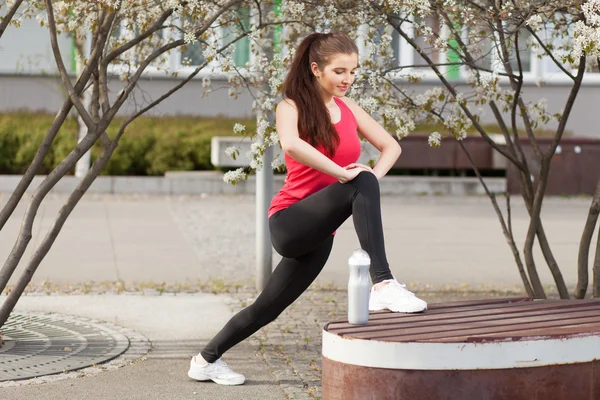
{"x":126,"y":38}
{"x":486,"y":39}
{"x":484,"y":42}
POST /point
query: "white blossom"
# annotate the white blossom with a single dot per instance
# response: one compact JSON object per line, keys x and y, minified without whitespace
{"x":278,"y":162}
{"x":189,"y":38}
{"x":238,"y":128}
{"x":209,"y":53}
{"x":405,"y":126}
{"x":587,"y":33}
{"x":294,"y":9}
{"x":535,"y":21}
{"x":369,"y":104}
{"x":234,"y":177}
{"x":232,"y":151}
{"x":435,"y":139}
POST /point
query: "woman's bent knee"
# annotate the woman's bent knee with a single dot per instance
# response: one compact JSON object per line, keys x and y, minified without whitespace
{"x":366,"y":181}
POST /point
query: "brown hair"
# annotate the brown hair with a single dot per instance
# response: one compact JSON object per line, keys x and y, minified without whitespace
{"x":314,"y":121}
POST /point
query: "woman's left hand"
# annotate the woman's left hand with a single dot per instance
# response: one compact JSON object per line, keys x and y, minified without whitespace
{"x":361,"y":166}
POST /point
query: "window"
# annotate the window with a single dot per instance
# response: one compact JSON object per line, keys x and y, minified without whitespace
{"x":192,"y":54}
{"x":427,"y":30}
{"x":485,"y":47}
{"x":525,"y":52}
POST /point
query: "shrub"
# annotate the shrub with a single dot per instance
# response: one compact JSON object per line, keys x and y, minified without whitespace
{"x":150,"y":146}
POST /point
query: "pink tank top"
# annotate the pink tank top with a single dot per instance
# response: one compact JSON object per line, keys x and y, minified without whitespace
{"x":302,"y":181}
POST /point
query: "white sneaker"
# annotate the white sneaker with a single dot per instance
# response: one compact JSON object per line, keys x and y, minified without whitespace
{"x":396,"y":298}
{"x":217,"y":372}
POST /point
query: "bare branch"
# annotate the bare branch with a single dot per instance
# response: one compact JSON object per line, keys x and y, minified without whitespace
{"x":9,"y":16}
{"x":568,"y":107}
{"x":455,"y":94}
{"x":515,"y":82}
{"x":63,"y":71}
{"x":506,"y":230}
{"x":103,"y":88}
{"x":122,"y":96}
{"x":521,"y":165}
{"x":455,"y":64}
{"x":596,"y":269}
{"x":35,"y":165}
{"x":550,"y":54}
{"x":122,"y":49}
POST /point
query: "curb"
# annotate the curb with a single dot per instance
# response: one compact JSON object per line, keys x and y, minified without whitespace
{"x":211,"y":183}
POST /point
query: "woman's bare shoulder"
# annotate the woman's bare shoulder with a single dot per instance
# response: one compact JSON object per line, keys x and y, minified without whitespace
{"x":287,"y":107}
{"x":287,"y":104}
{"x":350,"y":103}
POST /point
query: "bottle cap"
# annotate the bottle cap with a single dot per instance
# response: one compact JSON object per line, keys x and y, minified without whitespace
{"x":359,"y":257}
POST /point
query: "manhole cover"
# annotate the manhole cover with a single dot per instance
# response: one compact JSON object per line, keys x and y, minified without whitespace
{"x":44,"y":344}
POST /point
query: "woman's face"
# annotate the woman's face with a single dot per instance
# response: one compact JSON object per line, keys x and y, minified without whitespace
{"x":336,"y":77}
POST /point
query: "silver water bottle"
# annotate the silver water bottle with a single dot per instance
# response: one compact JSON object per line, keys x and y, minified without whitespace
{"x":359,"y":288}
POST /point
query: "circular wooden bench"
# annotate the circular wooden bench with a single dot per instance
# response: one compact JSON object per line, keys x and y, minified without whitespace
{"x":514,"y":349}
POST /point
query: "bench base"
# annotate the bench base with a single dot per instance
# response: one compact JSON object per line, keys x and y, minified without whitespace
{"x":556,"y":382}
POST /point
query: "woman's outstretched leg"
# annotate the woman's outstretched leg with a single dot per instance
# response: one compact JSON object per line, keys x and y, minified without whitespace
{"x":288,"y":281}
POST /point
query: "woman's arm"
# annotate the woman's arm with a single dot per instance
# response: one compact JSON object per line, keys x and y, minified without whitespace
{"x":378,"y":137}
{"x":286,"y":122}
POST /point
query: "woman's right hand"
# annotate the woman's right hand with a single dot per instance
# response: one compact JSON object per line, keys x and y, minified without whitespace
{"x":350,"y":174}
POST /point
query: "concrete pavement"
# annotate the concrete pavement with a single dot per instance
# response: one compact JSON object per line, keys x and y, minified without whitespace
{"x":178,"y":327}
{"x":430,"y":240}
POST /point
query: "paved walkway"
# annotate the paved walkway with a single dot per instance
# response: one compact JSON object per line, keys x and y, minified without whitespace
{"x":166,"y":249}
{"x":430,"y":240}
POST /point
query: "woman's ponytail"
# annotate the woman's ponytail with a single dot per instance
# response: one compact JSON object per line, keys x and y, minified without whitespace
{"x":314,"y":122}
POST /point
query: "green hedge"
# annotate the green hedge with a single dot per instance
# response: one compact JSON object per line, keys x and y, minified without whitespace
{"x":150,"y":146}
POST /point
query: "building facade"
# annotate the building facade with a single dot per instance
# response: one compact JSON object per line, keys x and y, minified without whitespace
{"x":29,"y":80}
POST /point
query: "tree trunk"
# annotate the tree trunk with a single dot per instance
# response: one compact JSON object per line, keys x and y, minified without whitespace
{"x":83,"y":165}
{"x":534,"y":223}
{"x":26,"y":227}
{"x":9,"y":303}
{"x":584,"y":247}
{"x":596,"y":271}
{"x":527,"y":194}
{"x":35,"y":165}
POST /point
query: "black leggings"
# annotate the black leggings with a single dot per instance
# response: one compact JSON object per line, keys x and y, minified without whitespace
{"x":303,"y":235}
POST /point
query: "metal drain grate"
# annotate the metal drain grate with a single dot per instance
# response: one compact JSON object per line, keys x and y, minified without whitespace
{"x":44,"y":344}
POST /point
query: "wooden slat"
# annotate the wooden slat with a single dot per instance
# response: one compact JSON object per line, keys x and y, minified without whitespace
{"x":448,"y":329}
{"x":557,"y":332}
{"x":438,"y":308}
{"x":399,"y":319}
{"x":386,"y":315}
{"x":469,"y":303}
{"x":435,"y":324}
{"x":477,"y":321}
{"x":505,"y":332}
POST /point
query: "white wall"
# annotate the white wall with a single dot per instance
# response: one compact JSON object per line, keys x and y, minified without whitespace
{"x":27,"y":50}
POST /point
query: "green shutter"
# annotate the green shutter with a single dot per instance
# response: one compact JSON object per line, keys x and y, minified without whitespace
{"x":241,"y":54}
{"x":278,"y":29}
{"x":452,"y":57}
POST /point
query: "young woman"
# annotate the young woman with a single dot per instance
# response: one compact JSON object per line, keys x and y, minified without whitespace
{"x":317,"y":128}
